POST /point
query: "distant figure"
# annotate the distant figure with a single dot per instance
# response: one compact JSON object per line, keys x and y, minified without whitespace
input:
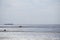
{"x":4,"y":29}
{"x":20,"y":26}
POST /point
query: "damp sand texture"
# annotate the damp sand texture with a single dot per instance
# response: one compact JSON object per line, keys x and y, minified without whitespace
{"x":29,"y":36}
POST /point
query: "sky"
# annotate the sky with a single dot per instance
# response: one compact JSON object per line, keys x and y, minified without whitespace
{"x":30,"y":11}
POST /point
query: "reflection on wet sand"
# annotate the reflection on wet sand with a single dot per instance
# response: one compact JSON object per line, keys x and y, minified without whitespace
{"x":29,"y":36}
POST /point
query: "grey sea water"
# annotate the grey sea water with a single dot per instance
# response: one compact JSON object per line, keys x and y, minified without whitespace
{"x":30,"y":32}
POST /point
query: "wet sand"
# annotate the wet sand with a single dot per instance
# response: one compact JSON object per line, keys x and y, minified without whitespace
{"x":29,"y":36}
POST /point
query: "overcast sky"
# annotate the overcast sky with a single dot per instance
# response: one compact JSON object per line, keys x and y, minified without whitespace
{"x":30,"y":11}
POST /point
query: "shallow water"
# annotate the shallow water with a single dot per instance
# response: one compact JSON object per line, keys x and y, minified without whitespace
{"x":29,"y":36}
